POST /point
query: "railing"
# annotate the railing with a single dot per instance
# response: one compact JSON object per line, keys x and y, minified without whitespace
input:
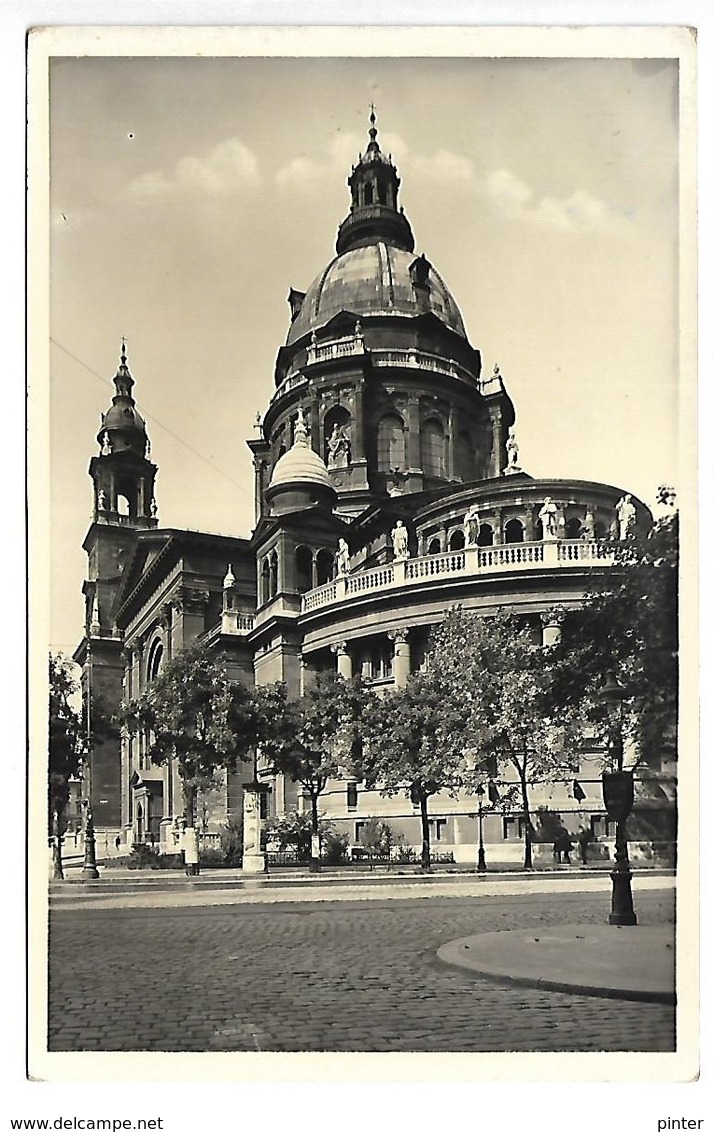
{"x":472,"y":561}
{"x":323,"y":595}
{"x":419,"y":359}
{"x":432,"y":565}
{"x":339,"y":348}
{"x":375,"y":579}
{"x":513,"y":554}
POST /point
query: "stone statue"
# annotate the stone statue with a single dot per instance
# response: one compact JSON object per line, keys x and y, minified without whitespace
{"x":102,"y":499}
{"x":548,"y":516}
{"x":472,"y":524}
{"x":589,"y":527}
{"x":148,"y":449}
{"x":512,"y":450}
{"x":626,"y":516}
{"x":106,"y":446}
{"x":400,"y":540}
{"x":342,"y":558}
{"x":338,"y":447}
{"x":153,"y":508}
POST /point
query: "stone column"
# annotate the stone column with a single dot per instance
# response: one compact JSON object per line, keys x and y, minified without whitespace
{"x":413,"y":441}
{"x":344,"y":660}
{"x":552,"y":627}
{"x":497,"y":427}
{"x":402,"y":656}
{"x":450,"y":444}
{"x":253,"y":858}
{"x":307,"y":675}
{"x":498,"y":539}
{"x":529,"y":533}
{"x":358,"y":429}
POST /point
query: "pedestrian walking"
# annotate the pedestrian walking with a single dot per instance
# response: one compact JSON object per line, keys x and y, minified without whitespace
{"x":584,"y":837}
{"x":563,"y":846}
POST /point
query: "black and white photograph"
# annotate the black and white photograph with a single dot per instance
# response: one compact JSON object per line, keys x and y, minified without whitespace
{"x":363,"y":423}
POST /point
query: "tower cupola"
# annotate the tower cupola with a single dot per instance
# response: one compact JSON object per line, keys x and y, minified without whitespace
{"x":374,"y":213}
{"x":122,"y":427}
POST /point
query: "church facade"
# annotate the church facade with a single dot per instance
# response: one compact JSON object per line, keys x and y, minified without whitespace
{"x":388,"y":489}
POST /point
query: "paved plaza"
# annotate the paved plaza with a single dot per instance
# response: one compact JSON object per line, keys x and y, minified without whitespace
{"x":168,"y":973}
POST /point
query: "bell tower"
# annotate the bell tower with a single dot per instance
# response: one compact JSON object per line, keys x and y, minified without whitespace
{"x":123,"y":503}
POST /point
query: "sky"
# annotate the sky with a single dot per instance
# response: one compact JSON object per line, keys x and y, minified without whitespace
{"x":187,"y":195}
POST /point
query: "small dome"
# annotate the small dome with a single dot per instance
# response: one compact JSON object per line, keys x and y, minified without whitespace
{"x":300,"y":465}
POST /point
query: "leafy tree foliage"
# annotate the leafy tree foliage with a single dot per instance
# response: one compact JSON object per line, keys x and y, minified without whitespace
{"x":310,"y":739}
{"x":628,"y":627}
{"x":414,"y":742}
{"x":66,"y":751}
{"x":194,"y":714}
{"x":502,"y":684}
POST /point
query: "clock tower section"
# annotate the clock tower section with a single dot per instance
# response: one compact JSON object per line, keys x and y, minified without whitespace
{"x":123,"y":487}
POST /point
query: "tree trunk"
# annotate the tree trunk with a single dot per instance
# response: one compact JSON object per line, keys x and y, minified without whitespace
{"x":425,"y":843}
{"x":528,"y":849}
{"x":189,"y":801}
{"x":57,"y":871}
{"x":314,"y":840}
{"x":56,"y":835}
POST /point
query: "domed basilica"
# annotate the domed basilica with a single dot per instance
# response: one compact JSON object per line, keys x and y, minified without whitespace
{"x":388,"y":488}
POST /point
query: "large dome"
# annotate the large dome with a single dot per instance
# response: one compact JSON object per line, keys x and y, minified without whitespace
{"x":373,"y":279}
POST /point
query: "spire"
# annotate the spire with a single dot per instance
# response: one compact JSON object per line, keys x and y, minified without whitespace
{"x":300,"y":436}
{"x":122,"y":428}
{"x":374,"y":212}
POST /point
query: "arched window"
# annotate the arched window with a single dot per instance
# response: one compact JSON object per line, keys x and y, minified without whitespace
{"x":600,"y":530}
{"x":123,"y":506}
{"x":457,"y":540}
{"x":433,"y":449}
{"x":538,"y":530}
{"x":325,"y":566}
{"x":465,"y":458}
{"x":153,"y":664}
{"x":485,"y":535}
{"x":265,"y":581}
{"x":434,"y":546}
{"x":272,"y":575}
{"x":514,"y":530}
{"x":573,"y":528}
{"x":390,"y":444}
{"x":303,"y":569}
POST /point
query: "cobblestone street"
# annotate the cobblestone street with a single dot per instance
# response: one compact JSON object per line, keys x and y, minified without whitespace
{"x":332,"y":976}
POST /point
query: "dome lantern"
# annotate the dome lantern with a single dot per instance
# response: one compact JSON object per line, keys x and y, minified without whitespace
{"x":374,"y":212}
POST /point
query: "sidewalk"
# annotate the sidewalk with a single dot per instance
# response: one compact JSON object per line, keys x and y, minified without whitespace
{"x":635,"y":963}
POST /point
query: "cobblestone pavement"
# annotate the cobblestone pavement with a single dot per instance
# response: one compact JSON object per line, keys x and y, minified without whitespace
{"x":335,"y":976}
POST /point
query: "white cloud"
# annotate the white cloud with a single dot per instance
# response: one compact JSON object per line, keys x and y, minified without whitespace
{"x":229,"y":166}
{"x":452,"y":170}
{"x":578,"y":212}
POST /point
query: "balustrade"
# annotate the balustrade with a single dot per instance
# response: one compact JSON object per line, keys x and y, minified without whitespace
{"x":474,"y":560}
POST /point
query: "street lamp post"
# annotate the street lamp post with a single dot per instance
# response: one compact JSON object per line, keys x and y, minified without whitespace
{"x":481,"y":866}
{"x":618,"y":796}
{"x":89,"y":870}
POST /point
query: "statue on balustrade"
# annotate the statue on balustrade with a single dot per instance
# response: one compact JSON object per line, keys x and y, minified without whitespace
{"x":548,"y":516}
{"x":472,"y":524}
{"x":512,"y":450}
{"x":106,"y":446}
{"x":342,"y":558}
{"x":338,"y":448}
{"x":400,"y":540}
{"x":102,"y":499}
{"x":626,"y":517}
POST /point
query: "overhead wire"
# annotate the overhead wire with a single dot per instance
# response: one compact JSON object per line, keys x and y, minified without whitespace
{"x":156,"y":421}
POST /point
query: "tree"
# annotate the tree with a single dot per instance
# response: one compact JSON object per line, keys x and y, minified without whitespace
{"x":503,"y":684}
{"x":193,"y":713}
{"x":628,"y":627}
{"x":310,"y":739}
{"x":413,"y":741}
{"x":66,"y":752}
